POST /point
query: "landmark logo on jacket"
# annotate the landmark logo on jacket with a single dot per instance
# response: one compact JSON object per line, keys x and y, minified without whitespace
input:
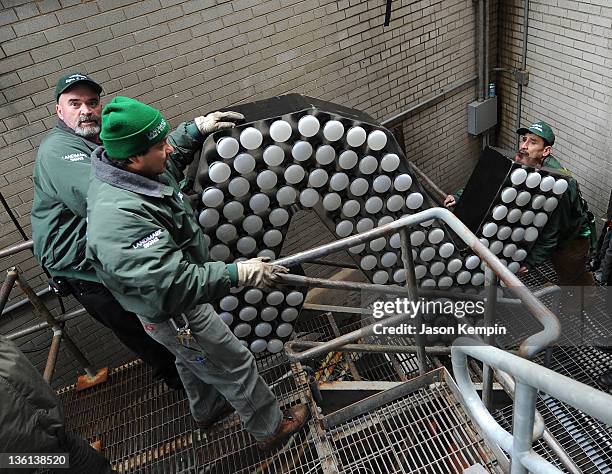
{"x":147,"y":241}
{"x":75,"y":157}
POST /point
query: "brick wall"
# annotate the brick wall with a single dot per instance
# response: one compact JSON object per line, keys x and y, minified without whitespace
{"x":569,"y":61}
{"x":189,"y":57}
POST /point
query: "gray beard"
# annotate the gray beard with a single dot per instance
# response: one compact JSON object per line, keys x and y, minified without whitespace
{"x":87,"y":132}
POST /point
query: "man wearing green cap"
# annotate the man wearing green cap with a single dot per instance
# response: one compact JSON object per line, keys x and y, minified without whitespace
{"x":565,"y":239}
{"x":61,"y":180}
{"x":147,"y":248}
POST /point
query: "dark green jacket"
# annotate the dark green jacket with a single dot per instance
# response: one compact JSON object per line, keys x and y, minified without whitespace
{"x":145,"y":244}
{"x":567,"y":222}
{"x":61,"y":179}
{"x":30,"y":412}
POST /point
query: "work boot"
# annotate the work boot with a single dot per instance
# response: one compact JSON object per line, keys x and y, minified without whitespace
{"x":224,"y":411}
{"x":294,"y":419}
{"x":606,"y":379}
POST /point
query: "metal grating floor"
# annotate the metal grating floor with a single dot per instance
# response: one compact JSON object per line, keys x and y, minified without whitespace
{"x":144,"y":427}
{"x":425,"y":432}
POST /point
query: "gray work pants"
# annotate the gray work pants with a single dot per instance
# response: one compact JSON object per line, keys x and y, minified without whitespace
{"x":215,"y":367}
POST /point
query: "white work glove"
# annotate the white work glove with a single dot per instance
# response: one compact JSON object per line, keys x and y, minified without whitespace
{"x":215,"y":121}
{"x":258,"y":273}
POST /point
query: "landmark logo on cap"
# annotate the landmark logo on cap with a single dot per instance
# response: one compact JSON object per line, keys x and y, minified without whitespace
{"x":75,"y":77}
{"x":153,"y":134}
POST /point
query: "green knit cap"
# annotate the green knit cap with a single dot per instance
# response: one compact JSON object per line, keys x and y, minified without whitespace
{"x":130,"y":128}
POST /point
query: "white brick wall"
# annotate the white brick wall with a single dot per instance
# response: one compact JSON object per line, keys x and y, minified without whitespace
{"x":191,"y":57}
{"x":569,"y":61}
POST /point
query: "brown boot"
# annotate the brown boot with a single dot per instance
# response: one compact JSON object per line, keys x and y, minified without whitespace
{"x":294,"y":419}
{"x":224,"y":411}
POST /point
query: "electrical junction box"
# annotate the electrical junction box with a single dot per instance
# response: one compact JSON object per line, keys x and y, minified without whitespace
{"x":482,"y":115}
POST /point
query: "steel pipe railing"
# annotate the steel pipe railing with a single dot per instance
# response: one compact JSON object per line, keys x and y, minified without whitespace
{"x":7,"y":286}
{"x":529,"y":348}
{"x":530,"y":378}
{"x":13,"y":249}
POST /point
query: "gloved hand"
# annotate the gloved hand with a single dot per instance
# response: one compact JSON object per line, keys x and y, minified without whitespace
{"x":258,"y":273}
{"x":215,"y":121}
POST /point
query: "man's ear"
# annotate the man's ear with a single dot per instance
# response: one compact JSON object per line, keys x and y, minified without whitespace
{"x":547,"y":150}
{"x":58,"y":111}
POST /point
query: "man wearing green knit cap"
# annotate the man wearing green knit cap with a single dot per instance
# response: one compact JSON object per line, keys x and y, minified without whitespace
{"x":147,"y":248}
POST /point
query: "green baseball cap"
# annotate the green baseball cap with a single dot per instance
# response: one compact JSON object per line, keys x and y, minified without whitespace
{"x":69,"y":80}
{"x":541,"y":129}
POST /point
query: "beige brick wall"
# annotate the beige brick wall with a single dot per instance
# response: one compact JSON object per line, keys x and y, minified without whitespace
{"x":189,"y":57}
{"x":569,"y":59}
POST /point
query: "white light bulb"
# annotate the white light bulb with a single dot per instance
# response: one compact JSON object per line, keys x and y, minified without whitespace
{"x":472,"y":262}
{"x":377,"y":245}
{"x":518,"y":176}
{"x":246,"y":245}
{"x":356,"y":136}
{"x":514,"y":215}
{"x":364,"y":224}
{"x":436,"y":268}
{"x":233,"y":211}
{"x":454,"y":265}
{"x":280,"y":131}
{"x":399,"y":276}
{"x":333,"y":130}
{"x":273,"y":155}
{"x":446,"y":250}
{"x":212,"y":197}
{"x":252,"y":224}
{"x":253,"y":296}
{"x":227,"y":318}
{"x":208,"y":218}
{"x":445,"y":282}
{"x":258,"y":345}
{"x":508,"y":195}
{"x":417,"y":237}
{"x":499,"y":212}
{"x":523,"y":198}
{"x":289,"y":314}
{"x":284,"y":330}
{"x":538,"y":201}
{"x":275,"y":298}
{"x":308,"y":126}
{"x":551,"y":204}
{"x":518,"y":234}
{"x":496,"y":247}
{"x":227,"y":147}
{"x":242,"y":330}
{"x":547,"y":183}
{"x":390,"y":162}
{"x":251,"y":138}
{"x":368,"y":262}
{"x":464,"y":277}
{"x":504,"y":232}
{"x":219,"y":172}
{"x":344,"y":228}
{"x":509,"y":250}
{"x":427,"y":253}
{"x":248,"y":313}
{"x":519,"y":255}
{"x":269,"y":313}
{"x":357,"y":249}
{"x":266,"y":179}
{"x":272,"y":238}
{"x":373,"y":205}
{"x":278,"y":217}
{"x":435,"y":236}
{"x":275,"y":346}
{"x":339,"y":181}
{"x":347,"y":159}
{"x":368,"y":165}
{"x":533,"y":180}
{"x":259,"y":203}
{"x":219,"y":253}
{"x":540,"y":219}
{"x":301,"y":150}
{"x":325,"y":155}
{"x":402,"y":182}
{"x":294,"y":298}
{"x":228,"y":303}
{"x":244,"y":163}
{"x":560,"y":186}
{"x":381,"y":277}
{"x":395,"y":241}
{"x":388,"y":259}
{"x":395,"y":203}
{"x":381,"y":183}
{"x":489,"y":229}
{"x":414,"y":200}
{"x":317,"y":178}
{"x":377,"y":140}
{"x":226,"y":233}
{"x":359,"y":187}
{"x":263,"y":329}
{"x":294,"y":174}
{"x":477,"y":279}
{"x":351,"y":208}
{"x":331,"y":202}
{"x":238,"y":187}
{"x":309,"y":197}
{"x":286,"y":195}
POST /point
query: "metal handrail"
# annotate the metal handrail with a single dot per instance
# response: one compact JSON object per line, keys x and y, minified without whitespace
{"x":529,"y":348}
{"x":530,"y":377}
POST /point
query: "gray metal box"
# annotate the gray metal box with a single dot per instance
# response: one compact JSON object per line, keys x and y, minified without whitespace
{"x":482,"y":115}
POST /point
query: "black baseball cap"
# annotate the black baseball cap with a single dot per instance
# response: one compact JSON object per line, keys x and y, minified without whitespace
{"x":69,"y":80}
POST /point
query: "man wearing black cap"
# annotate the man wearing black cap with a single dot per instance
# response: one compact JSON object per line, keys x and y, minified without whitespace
{"x":61,"y":180}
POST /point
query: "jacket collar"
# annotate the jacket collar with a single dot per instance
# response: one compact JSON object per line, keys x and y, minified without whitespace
{"x":61,"y":125}
{"x":106,"y":172}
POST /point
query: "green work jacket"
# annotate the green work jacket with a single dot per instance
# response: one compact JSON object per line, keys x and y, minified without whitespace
{"x":61,"y":179}
{"x":567,"y":222}
{"x":145,"y":244}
